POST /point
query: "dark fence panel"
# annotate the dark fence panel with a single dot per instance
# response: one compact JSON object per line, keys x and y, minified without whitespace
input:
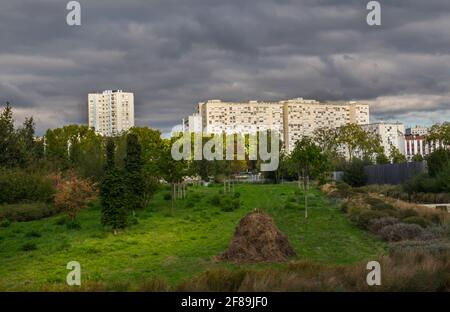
{"x":394,"y":173}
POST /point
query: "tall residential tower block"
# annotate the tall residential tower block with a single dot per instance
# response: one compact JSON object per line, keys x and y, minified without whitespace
{"x":111,"y":112}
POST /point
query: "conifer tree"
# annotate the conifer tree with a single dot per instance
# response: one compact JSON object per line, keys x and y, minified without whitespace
{"x":134,"y":173}
{"x":113,"y":193}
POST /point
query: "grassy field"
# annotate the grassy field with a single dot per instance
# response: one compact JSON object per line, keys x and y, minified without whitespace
{"x":174,"y":246}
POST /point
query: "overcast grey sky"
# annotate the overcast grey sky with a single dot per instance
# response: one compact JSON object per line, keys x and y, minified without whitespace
{"x":173,"y":54}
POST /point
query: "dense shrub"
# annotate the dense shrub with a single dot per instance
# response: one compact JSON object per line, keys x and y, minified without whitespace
{"x":375,"y":225}
{"x":291,"y":199}
{"x":227,"y":204}
{"x":190,"y":202}
{"x":344,"y":190}
{"x":417,"y":220}
{"x":290,"y":206}
{"x":215,"y":200}
{"x":354,"y":174}
{"x":406,"y":248}
{"x":437,"y":161}
{"x":27,"y":212}
{"x":344,"y":207}
{"x":435,"y":232}
{"x":73,"y":194}
{"x":167,"y":196}
{"x":62,"y":220}
{"x":73,"y":224}
{"x":406,"y":213}
{"x":28,"y":247}
{"x":5,"y":223}
{"x":33,"y":234}
{"x":363,"y":219}
{"x":401,"y":231}
{"x":19,"y":186}
{"x":383,"y":206}
{"x":372,"y":201}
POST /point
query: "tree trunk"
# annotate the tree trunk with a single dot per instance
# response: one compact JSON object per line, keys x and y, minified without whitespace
{"x":173,"y":195}
{"x":305,"y":186}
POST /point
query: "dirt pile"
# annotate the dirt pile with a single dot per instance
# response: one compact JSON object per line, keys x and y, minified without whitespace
{"x":257,"y":239}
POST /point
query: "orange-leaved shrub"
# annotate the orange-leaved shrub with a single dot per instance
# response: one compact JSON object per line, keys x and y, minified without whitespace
{"x":74,"y":194}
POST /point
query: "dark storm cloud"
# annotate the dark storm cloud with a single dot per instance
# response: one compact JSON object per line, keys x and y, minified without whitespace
{"x":173,"y":54}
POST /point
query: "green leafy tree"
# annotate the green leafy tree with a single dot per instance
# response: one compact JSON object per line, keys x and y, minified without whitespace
{"x":309,"y":160}
{"x":382,"y":159}
{"x":172,"y":170}
{"x":417,"y":157}
{"x":354,"y":174}
{"x":437,"y":161}
{"x":356,"y":141}
{"x":396,"y":156}
{"x":440,"y":133}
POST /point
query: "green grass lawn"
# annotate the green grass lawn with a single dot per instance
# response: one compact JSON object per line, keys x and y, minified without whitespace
{"x":175,"y":246}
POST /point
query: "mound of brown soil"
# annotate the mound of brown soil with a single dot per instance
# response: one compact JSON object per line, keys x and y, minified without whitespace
{"x":257,"y":239}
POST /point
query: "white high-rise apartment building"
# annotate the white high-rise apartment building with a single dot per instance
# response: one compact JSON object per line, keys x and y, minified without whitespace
{"x":293,"y":119}
{"x":391,"y":135}
{"x":192,"y":123}
{"x":111,"y":111}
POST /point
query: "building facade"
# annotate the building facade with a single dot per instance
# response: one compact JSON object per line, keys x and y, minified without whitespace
{"x":418,"y":145}
{"x":111,"y":112}
{"x":417,"y":130}
{"x":391,"y":135}
{"x":293,"y":119}
{"x":192,"y":124}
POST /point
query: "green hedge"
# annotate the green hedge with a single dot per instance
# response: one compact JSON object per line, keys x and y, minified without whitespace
{"x":18,"y":186}
{"x":26,"y":212}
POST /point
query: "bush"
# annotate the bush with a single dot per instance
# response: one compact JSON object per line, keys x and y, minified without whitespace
{"x":62,"y":220}
{"x":435,"y":232}
{"x":363,"y":219}
{"x":373,"y":201}
{"x":167,"y":196}
{"x":291,"y":199}
{"x":18,"y":186}
{"x":190,"y":202}
{"x":344,"y":207}
{"x":73,"y":224}
{"x":5,"y":223}
{"x":344,"y":190}
{"x":437,"y":160}
{"x":33,"y":234}
{"x":417,"y":220}
{"x":228,"y":204}
{"x":28,"y":247}
{"x":383,"y":207}
{"x":73,"y":195}
{"x":290,"y":206}
{"x":401,"y":231}
{"x":215,"y":200}
{"x":27,"y":212}
{"x":375,"y":225}
{"x":406,"y":248}
{"x":354,"y":174}
{"x":406,"y":213}
{"x":237,"y":195}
